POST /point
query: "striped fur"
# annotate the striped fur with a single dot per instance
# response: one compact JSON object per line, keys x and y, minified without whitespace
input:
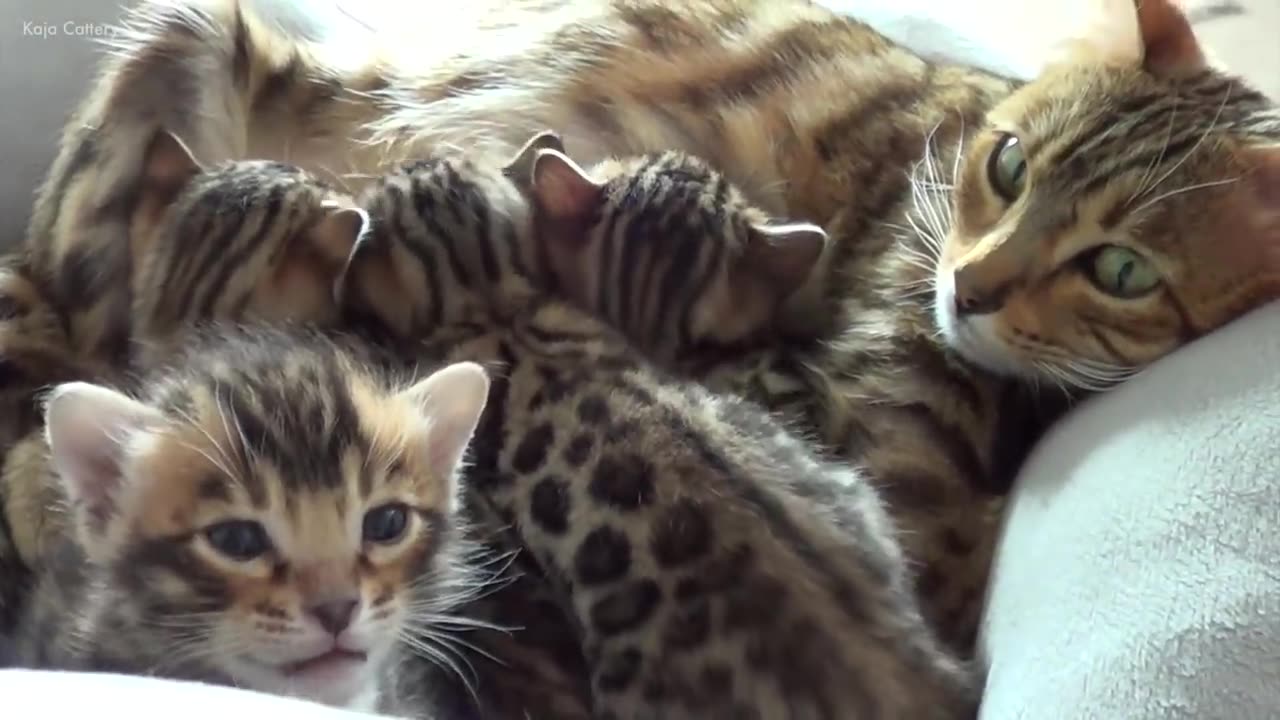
{"x":34,"y":355}
{"x":814,"y":116}
{"x":247,"y":240}
{"x":708,"y":558}
{"x":291,"y":430}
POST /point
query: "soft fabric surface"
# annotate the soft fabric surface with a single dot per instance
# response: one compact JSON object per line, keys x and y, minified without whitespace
{"x":1139,"y":572}
{"x":32,"y":695}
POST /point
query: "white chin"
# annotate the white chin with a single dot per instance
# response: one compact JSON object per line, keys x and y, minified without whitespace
{"x":974,"y":338}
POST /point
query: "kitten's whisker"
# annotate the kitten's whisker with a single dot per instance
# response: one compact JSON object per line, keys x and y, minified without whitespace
{"x":440,"y":659}
{"x":1179,"y":191}
{"x":1155,"y":162}
{"x":1213,"y":125}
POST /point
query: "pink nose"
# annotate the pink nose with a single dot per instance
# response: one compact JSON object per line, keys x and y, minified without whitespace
{"x":334,"y":615}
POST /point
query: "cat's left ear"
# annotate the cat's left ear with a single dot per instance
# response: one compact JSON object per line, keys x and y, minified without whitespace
{"x":784,"y":254}
{"x":89,"y":428}
{"x":561,"y":189}
{"x":450,"y":401}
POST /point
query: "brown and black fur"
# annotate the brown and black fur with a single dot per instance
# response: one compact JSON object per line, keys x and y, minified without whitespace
{"x":34,"y":356}
{"x":711,"y":562}
{"x":815,"y":116}
{"x":283,"y":411}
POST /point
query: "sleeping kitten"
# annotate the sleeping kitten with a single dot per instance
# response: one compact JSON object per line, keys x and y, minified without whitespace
{"x":709,"y":559}
{"x":270,"y":512}
{"x":246,"y":240}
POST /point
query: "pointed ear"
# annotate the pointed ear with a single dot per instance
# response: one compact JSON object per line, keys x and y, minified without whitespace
{"x":1169,"y":46}
{"x":562,"y":190}
{"x":336,"y":232}
{"x":784,"y":255}
{"x":520,"y":168}
{"x":450,"y":401}
{"x":168,"y":165}
{"x":88,"y":428}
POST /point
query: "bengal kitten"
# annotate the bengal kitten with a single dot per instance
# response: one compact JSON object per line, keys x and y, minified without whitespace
{"x":269,"y":512}
{"x":712,"y":563}
{"x":1071,"y":217}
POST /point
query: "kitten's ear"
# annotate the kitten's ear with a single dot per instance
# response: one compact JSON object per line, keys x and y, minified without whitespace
{"x":784,"y":254}
{"x":520,"y":168}
{"x":450,"y":401}
{"x":88,"y":428}
{"x":562,"y":190}
{"x":168,"y":165}
{"x":337,"y":231}
{"x":1169,"y":46}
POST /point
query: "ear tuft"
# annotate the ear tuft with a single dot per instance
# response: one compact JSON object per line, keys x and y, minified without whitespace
{"x":450,"y":401}
{"x":562,"y":190}
{"x":520,"y":168}
{"x":784,"y":254}
{"x":88,"y":427}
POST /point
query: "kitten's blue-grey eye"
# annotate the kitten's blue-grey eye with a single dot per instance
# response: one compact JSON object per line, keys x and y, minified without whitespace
{"x":241,"y":540}
{"x":386,"y":523}
{"x":1007,"y":168}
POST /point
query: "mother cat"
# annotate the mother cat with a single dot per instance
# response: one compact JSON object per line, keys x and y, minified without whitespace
{"x":1068,"y":230}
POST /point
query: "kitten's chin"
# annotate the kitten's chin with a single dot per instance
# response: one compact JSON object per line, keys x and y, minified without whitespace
{"x":344,"y":680}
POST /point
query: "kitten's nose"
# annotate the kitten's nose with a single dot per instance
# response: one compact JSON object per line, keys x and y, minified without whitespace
{"x":334,"y":615}
{"x":975,"y":304}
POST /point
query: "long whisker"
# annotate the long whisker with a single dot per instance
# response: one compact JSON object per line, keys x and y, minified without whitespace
{"x":1213,"y":124}
{"x":1179,"y":191}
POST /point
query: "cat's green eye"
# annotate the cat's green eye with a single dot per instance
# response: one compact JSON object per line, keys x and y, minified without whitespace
{"x":386,"y":523}
{"x":241,"y":540}
{"x":1122,"y":273}
{"x":1007,"y":168}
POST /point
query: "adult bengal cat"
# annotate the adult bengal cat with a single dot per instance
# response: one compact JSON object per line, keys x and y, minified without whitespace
{"x":1068,"y":230}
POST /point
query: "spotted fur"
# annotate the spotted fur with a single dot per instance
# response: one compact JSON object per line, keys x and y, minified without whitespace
{"x":302,"y":440}
{"x":710,"y":561}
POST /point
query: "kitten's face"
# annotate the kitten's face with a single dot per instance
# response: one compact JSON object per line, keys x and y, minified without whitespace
{"x":286,"y":539}
{"x":1109,"y":214}
{"x":244,"y":239}
{"x":667,"y":250}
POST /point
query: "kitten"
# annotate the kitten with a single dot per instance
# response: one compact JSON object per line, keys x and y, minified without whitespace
{"x":246,"y":240}
{"x":269,"y":512}
{"x":694,"y":267}
{"x":708,"y":558}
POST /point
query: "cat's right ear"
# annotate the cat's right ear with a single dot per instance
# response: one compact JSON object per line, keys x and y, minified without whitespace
{"x":562,"y":190}
{"x":88,"y":428}
{"x":449,"y":401}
